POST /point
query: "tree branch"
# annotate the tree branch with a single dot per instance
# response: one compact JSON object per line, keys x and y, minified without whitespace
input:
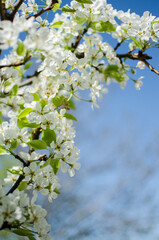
{"x":16,"y":184}
{"x":15,"y":9}
{"x":25,"y":164}
{"x":150,"y":67}
{"x":16,"y":64}
{"x":118,"y":45}
{"x":79,"y":37}
{"x":43,"y":10}
{"x":29,"y":81}
{"x":134,"y":56}
{"x":2,"y":10}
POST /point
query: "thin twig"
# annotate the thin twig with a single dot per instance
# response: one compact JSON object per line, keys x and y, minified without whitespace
{"x":2,"y":10}
{"x":20,"y":159}
{"x":43,"y":10}
{"x":118,"y":45}
{"x":150,"y":67}
{"x":79,"y":37}
{"x":16,"y":64}
{"x":16,"y":184}
{"x":134,"y":56}
{"x":15,"y":9}
{"x":29,"y":81}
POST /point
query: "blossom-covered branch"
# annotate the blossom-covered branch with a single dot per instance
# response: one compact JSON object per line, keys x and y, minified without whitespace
{"x":69,"y":55}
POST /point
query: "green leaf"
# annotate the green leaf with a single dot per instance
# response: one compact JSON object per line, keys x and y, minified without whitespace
{"x":37,"y":144}
{"x":7,"y":83}
{"x":58,"y":100}
{"x":56,"y":191}
{"x":36,"y":97}
{"x":15,"y":172}
{"x":103,"y":26}
{"x":68,"y":9}
{"x":14,"y":90}
{"x":46,"y":163}
{"x":56,"y":7}
{"x":85,"y":1}
{"x":113,"y":71}
{"x":57,"y":24}
{"x":136,"y":42}
{"x":20,"y":49}
{"x":22,"y":186}
{"x":43,"y":103}
{"x":1,"y":117}
{"x":25,"y":112}
{"x":28,"y":65}
{"x":23,"y":122}
{"x":70,"y":116}
{"x":48,"y":136}
{"x":3,"y":151}
{"x":80,"y":20}
{"x":14,"y":144}
{"x":23,"y":232}
{"x":55,"y":164}
{"x":71,"y":104}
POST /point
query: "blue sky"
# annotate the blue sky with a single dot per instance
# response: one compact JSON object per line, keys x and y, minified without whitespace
{"x":117,"y":185}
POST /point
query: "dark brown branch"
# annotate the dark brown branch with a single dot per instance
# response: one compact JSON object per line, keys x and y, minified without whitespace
{"x":16,"y":184}
{"x":43,"y":157}
{"x":20,"y":159}
{"x":79,"y":37}
{"x":35,"y":136}
{"x":29,"y":81}
{"x":134,"y":56}
{"x":2,"y":10}
{"x":15,"y":9}
{"x":118,"y":45}
{"x":150,"y":67}
{"x":16,"y":64}
{"x":43,"y":10}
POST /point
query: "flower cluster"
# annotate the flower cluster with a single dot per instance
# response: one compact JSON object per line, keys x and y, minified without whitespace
{"x":45,"y":63}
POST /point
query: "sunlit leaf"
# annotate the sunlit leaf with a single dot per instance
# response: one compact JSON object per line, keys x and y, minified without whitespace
{"x":70,"y":116}
{"x":48,"y":136}
{"x":37,"y":144}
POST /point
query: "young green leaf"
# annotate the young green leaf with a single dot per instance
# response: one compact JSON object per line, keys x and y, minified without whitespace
{"x":113,"y":71}
{"x":14,"y":90}
{"x":43,"y":103}
{"x":14,"y":144}
{"x":68,"y":9}
{"x":103,"y":26}
{"x":23,"y":232}
{"x":71,"y":104}
{"x":70,"y":116}
{"x":137,"y":43}
{"x":36,"y":96}
{"x":22,"y":186}
{"x":80,"y":20}
{"x":85,"y":1}
{"x":20,"y":49}
{"x":23,"y":122}
{"x":28,"y":65}
{"x":3,"y":151}
{"x":48,"y":136}
{"x":57,"y":24}
{"x":56,"y":7}
{"x":55,"y":164}
{"x":37,"y":144}
{"x":25,"y":112}
{"x":58,"y":100}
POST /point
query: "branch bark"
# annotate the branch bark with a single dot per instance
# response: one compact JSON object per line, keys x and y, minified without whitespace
{"x":16,"y":64}
{"x":43,"y":10}
{"x":15,"y":9}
